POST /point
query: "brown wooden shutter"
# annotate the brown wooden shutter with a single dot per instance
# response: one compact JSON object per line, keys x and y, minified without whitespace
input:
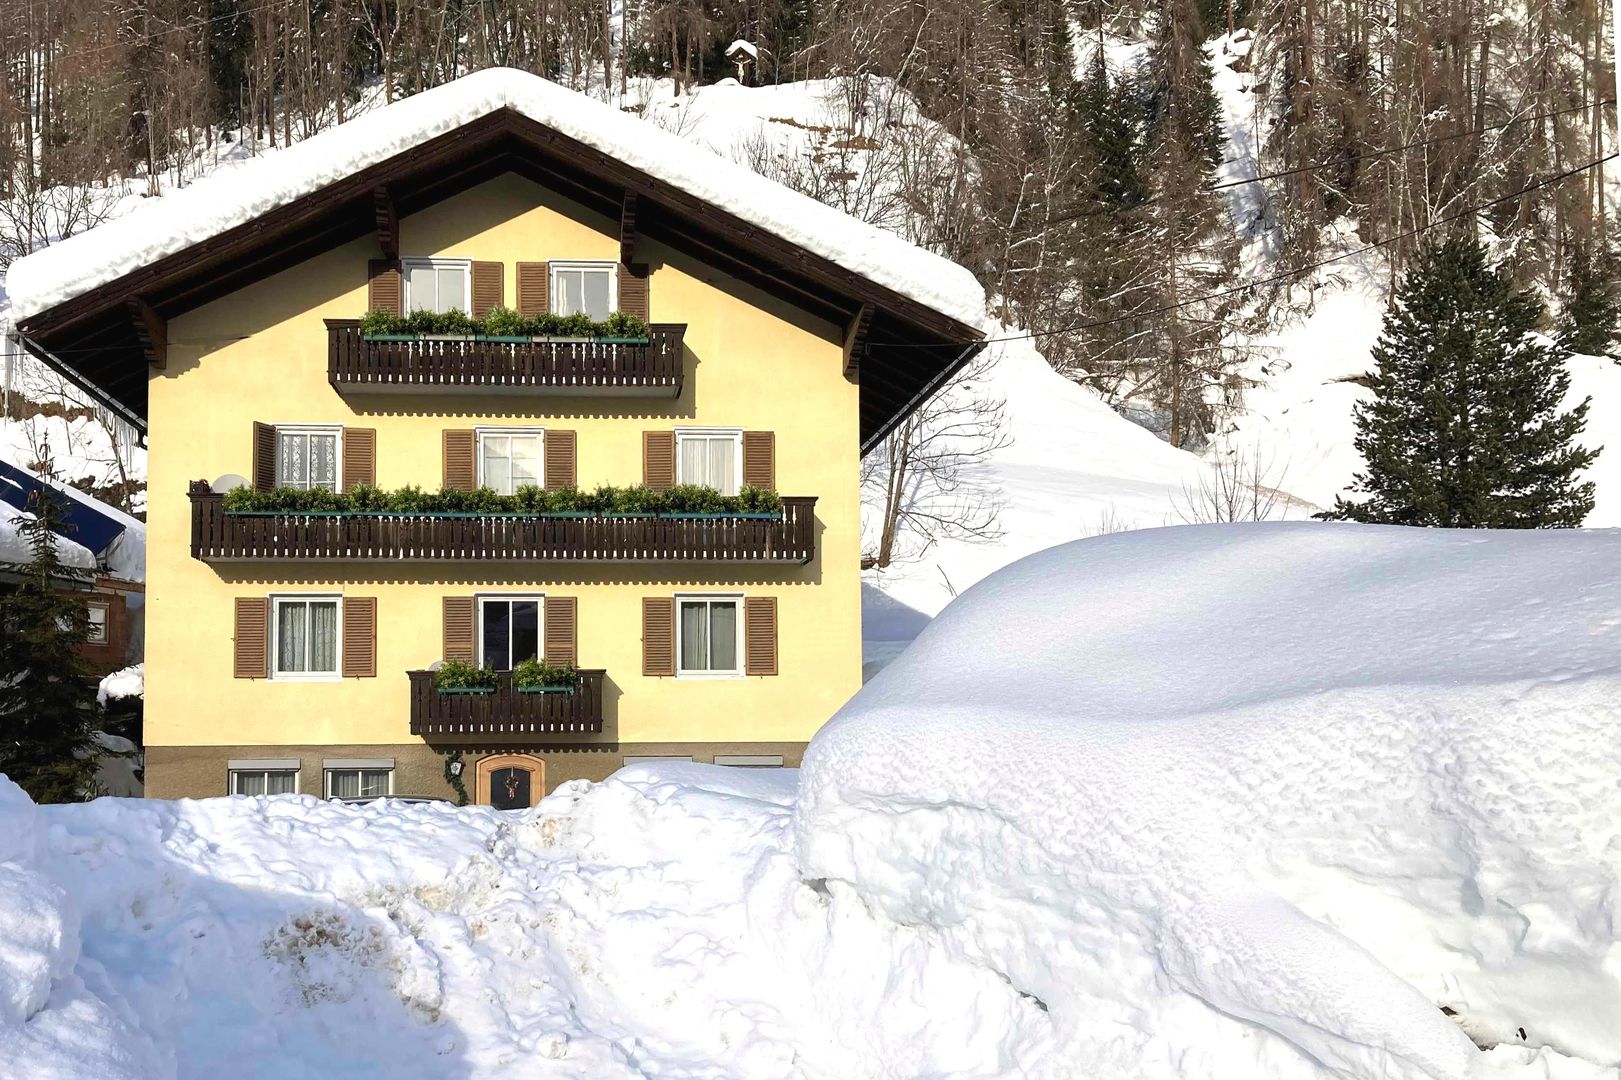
{"x":760,"y":635}
{"x":359,"y":637}
{"x":534,"y":289}
{"x":633,"y":291}
{"x":488,"y":286}
{"x":359,"y":457}
{"x":760,"y":459}
{"x":385,"y":287}
{"x":458,"y":628}
{"x":658,"y":635}
{"x":264,"y":456}
{"x":562,"y":464}
{"x":562,"y":629}
{"x":658,"y":459}
{"x":252,"y":659}
{"x":461,"y":466}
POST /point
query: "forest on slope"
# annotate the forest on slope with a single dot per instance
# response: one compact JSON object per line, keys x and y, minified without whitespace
{"x":1076,"y":154}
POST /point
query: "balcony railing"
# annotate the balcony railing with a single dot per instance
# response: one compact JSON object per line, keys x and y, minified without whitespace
{"x":506,"y":711}
{"x":218,"y":535}
{"x":584,"y":368}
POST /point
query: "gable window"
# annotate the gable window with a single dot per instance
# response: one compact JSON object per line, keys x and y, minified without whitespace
{"x":437,"y":284}
{"x":707,"y":635}
{"x":257,"y":780}
{"x":97,"y":634}
{"x":306,"y":637}
{"x":359,"y":781}
{"x":508,"y":631}
{"x":709,"y":459}
{"x":580,"y":288}
{"x":307,"y":457}
{"x":509,"y":459}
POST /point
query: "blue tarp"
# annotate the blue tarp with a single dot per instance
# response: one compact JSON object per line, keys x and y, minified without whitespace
{"x":86,"y":524}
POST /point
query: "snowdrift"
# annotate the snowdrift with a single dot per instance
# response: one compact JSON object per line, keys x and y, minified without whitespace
{"x":1258,"y":801}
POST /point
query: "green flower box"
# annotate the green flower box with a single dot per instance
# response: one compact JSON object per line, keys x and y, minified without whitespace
{"x":466,"y":689}
{"x":545,"y":689}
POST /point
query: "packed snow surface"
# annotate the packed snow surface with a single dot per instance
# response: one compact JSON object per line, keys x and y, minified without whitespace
{"x":238,"y":195}
{"x":1238,"y":802}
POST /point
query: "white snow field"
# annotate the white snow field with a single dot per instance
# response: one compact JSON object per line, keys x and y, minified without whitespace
{"x":1216,"y":801}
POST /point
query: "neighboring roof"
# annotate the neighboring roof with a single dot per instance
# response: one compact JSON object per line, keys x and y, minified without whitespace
{"x":14,"y":549}
{"x":89,"y":306}
{"x":238,"y":195}
{"x":106,"y":535}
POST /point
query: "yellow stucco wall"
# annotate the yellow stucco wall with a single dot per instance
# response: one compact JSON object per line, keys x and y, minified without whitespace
{"x":260,"y":354}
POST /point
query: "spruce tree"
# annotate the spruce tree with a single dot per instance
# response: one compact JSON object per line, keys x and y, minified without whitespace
{"x":47,"y":703}
{"x":1589,"y":307}
{"x":1464,"y":430}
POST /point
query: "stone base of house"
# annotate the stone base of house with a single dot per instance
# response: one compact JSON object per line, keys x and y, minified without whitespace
{"x":200,"y":772}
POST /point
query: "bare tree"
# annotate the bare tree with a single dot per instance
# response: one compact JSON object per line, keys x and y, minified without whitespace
{"x":1240,"y":485}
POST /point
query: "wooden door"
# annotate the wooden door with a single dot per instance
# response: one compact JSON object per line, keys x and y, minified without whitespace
{"x":510,"y":781}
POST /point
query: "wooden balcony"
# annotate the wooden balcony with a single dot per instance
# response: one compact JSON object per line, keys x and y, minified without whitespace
{"x":221,"y":536}
{"x":583,"y":368}
{"x":506,"y":712}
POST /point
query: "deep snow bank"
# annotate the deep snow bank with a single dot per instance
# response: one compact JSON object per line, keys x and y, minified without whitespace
{"x":1259,"y":801}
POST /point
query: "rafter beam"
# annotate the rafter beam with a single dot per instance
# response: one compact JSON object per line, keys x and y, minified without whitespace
{"x":152,"y":331}
{"x":627,"y":229}
{"x":388,"y":223}
{"x":855,"y":341}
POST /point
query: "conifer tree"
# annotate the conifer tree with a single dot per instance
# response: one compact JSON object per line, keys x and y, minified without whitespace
{"x":1589,"y":308}
{"x":1464,"y":430}
{"x":47,"y":705}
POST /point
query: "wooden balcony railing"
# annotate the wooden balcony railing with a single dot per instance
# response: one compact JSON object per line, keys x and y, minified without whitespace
{"x":505,"y":711}
{"x":467,"y":365}
{"x":221,"y":536}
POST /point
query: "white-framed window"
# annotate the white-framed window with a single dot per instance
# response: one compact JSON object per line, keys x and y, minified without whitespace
{"x":585,"y":288}
{"x":437,"y":284}
{"x":358,"y":779}
{"x":708,"y":636}
{"x":509,"y":630}
{"x":307,"y":632}
{"x":274,"y":776}
{"x":642,"y":759}
{"x":98,"y":624}
{"x":510,"y":458}
{"x":749,"y":761}
{"x":307,"y":455}
{"x":709,"y":457}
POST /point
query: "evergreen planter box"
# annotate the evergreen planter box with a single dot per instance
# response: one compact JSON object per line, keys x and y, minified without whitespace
{"x":544,"y":689}
{"x":465,"y":689}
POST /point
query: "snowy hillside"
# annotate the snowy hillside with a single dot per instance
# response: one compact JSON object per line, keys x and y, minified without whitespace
{"x":1260,"y":801}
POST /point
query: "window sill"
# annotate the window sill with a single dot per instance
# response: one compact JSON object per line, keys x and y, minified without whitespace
{"x":710,"y":676}
{"x":291,"y":677}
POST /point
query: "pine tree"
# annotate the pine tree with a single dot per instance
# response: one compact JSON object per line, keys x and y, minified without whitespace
{"x":1464,"y":430}
{"x":1589,"y":309}
{"x":47,"y":707}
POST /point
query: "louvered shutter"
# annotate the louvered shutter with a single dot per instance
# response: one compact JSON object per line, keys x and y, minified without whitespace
{"x":359,"y":457}
{"x":760,"y":459}
{"x":534,"y":288}
{"x":658,"y":459}
{"x":658,"y":635}
{"x":385,"y":287}
{"x":561,"y":629}
{"x":461,"y":466}
{"x":760,"y":635}
{"x":561,"y":466}
{"x":264,"y":456}
{"x":633,"y":290}
{"x":488,"y":285}
{"x":458,"y":628}
{"x":359,"y":637}
{"x":252,"y":659}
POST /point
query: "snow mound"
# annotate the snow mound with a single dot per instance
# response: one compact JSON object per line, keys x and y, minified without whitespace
{"x":123,"y":683}
{"x":1259,"y":800}
{"x":235,"y":196}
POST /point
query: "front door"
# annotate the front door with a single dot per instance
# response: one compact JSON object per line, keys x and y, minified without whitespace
{"x":510,"y":781}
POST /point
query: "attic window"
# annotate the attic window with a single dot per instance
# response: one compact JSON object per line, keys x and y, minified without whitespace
{"x":582,"y":288}
{"x":436,"y":284}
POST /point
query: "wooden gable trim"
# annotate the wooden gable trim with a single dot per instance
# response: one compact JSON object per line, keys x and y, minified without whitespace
{"x":855,"y":341}
{"x":152,"y":330}
{"x":627,"y":228}
{"x":388,"y":223}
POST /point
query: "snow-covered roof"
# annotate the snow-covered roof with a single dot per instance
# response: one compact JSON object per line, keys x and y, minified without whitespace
{"x":14,"y":546}
{"x":743,"y":46}
{"x":211,"y":206}
{"x":118,"y":539}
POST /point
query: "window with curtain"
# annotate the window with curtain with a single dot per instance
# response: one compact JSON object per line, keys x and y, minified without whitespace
{"x":708,"y":460}
{"x":357,"y":783}
{"x":264,"y":781}
{"x":583,"y":289}
{"x":306,"y":458}
{"x":306,"y":636}
{"x":509,"y":630}
{"x":707,"y":632}
{"x":509,"y":460}
{"x":436,"y":285}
